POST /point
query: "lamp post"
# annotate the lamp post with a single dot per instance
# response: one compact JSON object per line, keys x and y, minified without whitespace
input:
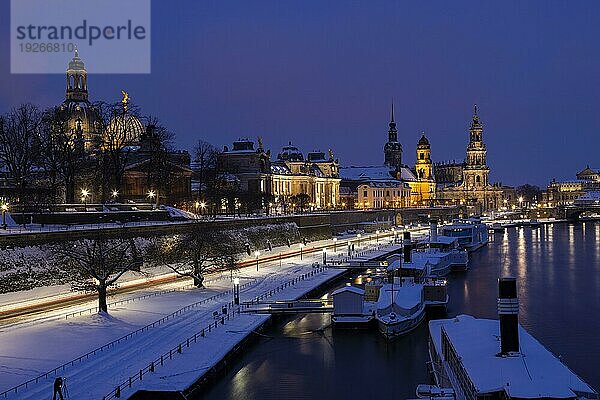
{"x":84,"y":195}
{"x":324,"y":256}
{"x":335,"y":245}
{"x":115,"y":193}
{"x":377,"y":236}
{"x":301,"y":247}
{"x":4,"y":210}
{"x":236,"y":291}
{"x":257,"y":254}
{"x":151,"y":194}
{"x":521,"y":202}
{"x":196,"y":205}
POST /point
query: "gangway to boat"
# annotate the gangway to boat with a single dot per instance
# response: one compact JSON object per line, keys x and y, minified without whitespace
{"x":288,"y":306}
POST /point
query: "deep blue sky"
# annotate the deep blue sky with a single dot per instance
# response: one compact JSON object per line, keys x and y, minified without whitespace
{"x":323,"y":73}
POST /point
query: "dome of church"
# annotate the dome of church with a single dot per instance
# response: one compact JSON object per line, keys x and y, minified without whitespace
{"x":125,"y":128}
{"x":423,"y":142}
{"x":290,"y":153}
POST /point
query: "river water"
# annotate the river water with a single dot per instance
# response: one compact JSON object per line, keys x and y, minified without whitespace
{"x":558,"y":276}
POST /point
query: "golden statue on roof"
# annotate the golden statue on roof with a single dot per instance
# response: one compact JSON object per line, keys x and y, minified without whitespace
{"x":125,"y":100}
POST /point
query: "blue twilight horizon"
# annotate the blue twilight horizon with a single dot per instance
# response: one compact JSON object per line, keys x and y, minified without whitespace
{"x":322,"y":75}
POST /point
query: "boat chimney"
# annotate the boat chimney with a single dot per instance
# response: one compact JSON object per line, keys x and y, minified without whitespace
{"x":407,"y":247}
{"x":433,"y":226}
{"x":508,"y":312}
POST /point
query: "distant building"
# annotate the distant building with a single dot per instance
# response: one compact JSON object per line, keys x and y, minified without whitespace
{"x":561,"y":193}
{"x":289,"y":182}
{"x":393,"y":184}
{"x":134,"y":141}
{"x":468,"y":182}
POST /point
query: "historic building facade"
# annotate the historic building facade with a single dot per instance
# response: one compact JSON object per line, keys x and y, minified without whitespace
{"x":474,"y":187}
{"x":288,"y":183}
{"x":561,"y":193}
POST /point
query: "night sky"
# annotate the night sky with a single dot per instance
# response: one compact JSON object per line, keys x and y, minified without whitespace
{"x":322,"y":74}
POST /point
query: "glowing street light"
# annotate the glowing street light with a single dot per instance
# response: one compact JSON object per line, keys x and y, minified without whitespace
{"x":151,"y":194}
{"x":257,"y":254}
{"x":84,"y":195}
{"x":115,"y":193}
{"x":4,"y":210}
{"x":377,"y":236}
{"x":236,"y":291}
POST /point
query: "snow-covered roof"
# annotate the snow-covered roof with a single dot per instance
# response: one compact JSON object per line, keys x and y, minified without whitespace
{"x":374,"y":173}
{"x":535,"y":373}
{"x":406,"y":296}
{"x":280,"y":169}
{"x":441,"y":239}
{"x":351,"y":289}
{"x":593,"y":196}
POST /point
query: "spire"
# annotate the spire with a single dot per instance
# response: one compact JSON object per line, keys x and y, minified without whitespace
{"x":475,"y":122}
{"x":393,"y":135}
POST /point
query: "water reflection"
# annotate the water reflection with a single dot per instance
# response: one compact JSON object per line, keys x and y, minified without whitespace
{"x":559,"y":290}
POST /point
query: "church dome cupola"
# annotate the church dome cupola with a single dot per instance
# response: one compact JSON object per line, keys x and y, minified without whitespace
{"x":423,"y":142}
{"x":76,"y":79}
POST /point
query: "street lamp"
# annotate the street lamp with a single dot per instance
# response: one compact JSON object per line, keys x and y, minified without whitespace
{"x":4,"y":210}
{"x":84,"y":195}
{"x":520,"y":201}
{"x":324,"y":256}
{"x":115,"y":193}
{"x":377,"y":236}
{"x":236,"y":291}
{"x":257,"y":254}
{"x":334,"y":245}
{"x":301,"y":247}
{"x":151,"y":194}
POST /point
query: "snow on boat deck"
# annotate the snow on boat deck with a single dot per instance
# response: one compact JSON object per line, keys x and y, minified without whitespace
{"x":536,"y":373}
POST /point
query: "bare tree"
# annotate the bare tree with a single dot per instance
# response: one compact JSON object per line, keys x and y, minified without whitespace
{"x":62,"y":152}
{"x":205,"y":158}
{"x":99,"y":262}
{"x":158,"y":166}
{"x":195,"y":253}
{"x":18,"y":150}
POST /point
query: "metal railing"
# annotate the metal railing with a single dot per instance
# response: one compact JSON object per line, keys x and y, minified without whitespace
{"x":178,"y":349}
{"x":145,"y":328}
{"x":137,"y":298}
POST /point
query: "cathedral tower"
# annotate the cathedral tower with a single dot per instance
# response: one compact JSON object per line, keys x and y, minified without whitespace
{"x":392,"y":149}
{"x":424,"y":166}
{"x":476,"y":171}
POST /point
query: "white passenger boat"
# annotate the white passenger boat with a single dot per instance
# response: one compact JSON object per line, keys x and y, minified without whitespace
{"x":437,"y":247}
{"x":481,"y":359}
{"x":400,"y":307}
{"x":472,"y":234}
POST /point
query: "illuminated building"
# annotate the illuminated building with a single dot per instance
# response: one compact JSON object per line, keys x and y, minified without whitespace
{"x":474,"y":187}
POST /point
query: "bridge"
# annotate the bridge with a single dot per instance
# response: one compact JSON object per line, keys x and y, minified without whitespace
{"x":288,"y":306}
{"x":574,"y":212}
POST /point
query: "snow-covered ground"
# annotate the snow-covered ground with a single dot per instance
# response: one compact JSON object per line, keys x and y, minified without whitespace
{"x":30,"y":349}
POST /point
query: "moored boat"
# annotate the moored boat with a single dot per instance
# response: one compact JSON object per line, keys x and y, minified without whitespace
{"x":497,"y":359}
{"x":472,"y":234}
